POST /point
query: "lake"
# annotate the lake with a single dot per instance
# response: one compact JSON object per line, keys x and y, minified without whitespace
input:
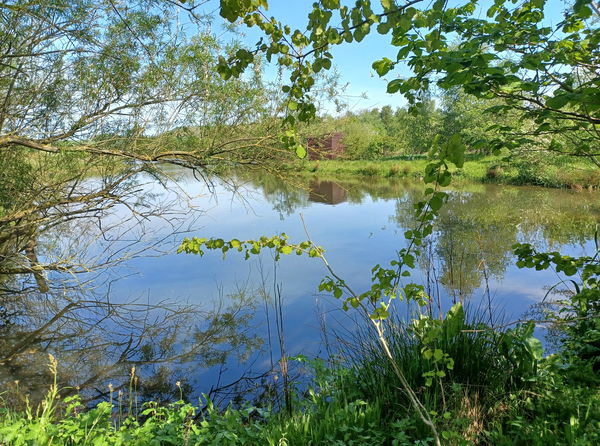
{"x":221,"y":323}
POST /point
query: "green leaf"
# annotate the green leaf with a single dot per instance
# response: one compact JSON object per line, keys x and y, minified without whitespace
{"x":558,"y":101}
{"x":436,"y":202}
{"x":454,"y":321}
{"x":394,"y":86}
{"x":387,"y":4}
{"x":445,"y":178}
{"x":300,"y":151}
{"x":331,"y":4}
{"x":383,"y":27}
{"x":383,"y":66}
{"x":286,"y":249}
{"x":535,"y":347}
{"x":361,"y":32}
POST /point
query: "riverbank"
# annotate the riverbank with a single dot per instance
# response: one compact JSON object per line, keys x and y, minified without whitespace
{"x":559,"y":172}
{"x":484,"y":400}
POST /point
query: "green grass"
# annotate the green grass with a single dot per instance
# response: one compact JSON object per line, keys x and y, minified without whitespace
{"x":552,"y":171}
{"x":321,"y":416}
{"x":491,"y":396}
{"x":359,"y":404}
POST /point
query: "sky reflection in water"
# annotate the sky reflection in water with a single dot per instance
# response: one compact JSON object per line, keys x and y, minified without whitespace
{"x":361,"y":223}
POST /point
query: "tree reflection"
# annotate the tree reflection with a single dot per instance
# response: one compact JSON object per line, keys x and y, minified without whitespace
{"x":285,"y":195}
{"x":98,"y":341}
{"x":479,"y":225}
{"x":67,"y":306}
{"x":475,"y":231}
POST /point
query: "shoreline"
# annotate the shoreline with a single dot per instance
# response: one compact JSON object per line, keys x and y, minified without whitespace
{"x":485,"y":170}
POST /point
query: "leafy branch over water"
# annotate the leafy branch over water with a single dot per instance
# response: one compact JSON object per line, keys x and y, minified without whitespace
{"x":386,"y":287}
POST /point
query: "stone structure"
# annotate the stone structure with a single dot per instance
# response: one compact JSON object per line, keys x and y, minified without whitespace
{"x":325,"y":147}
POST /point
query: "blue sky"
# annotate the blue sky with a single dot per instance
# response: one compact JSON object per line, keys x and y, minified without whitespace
{"x":354,"y":61}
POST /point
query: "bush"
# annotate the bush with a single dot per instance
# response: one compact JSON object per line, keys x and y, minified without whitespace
{"x":494,"y":172}
{"x":485,"y":367}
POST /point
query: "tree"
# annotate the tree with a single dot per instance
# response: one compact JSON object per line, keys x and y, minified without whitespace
{"x":95,"y":98}
{"x":547,"y":73}
{"x":110,"y":89}
{"x":420,"y":124}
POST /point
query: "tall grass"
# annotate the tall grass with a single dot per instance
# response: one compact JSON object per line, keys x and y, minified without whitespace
{"x":478,"y":402}
{"x":552,"y":171}
{"x":321,"y":415}
{"x":480,"y":377}
{"x":493,"y":395}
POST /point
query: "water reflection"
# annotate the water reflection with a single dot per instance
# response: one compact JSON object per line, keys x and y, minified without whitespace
{"x":73,"y":310}
{"x":472,"y":243}
{"x":479,"y":225}
{"x":98,"y":341}
{"x":328,"y":192}
{"x":163,"y":320}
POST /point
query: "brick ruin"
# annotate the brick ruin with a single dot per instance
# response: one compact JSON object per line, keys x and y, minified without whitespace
{"x":325,"y":147}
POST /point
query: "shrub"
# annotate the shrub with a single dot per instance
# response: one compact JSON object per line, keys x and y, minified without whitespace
{"x":494,"y":172}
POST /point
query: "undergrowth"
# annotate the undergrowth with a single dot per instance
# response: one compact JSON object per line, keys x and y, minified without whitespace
{"x":500,"y":390}
{"x":553,"y":172}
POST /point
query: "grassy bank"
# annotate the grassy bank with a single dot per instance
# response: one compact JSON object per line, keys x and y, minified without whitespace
{"x":357,"y":406}
{"x":499,"y":391}
{"x":555,"y":172}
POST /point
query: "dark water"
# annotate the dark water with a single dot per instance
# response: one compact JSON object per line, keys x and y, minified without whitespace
{"x":216,"y":320}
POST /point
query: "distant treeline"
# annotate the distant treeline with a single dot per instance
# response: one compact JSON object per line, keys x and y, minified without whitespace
{"x":385,"y":132}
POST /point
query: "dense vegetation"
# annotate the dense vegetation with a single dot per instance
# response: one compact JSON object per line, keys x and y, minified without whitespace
{"x":385,"y":132}
{"x":500,"y":390}
{"x":120,"y":89}
{"x":394,"y":143}
{"x":99,"y":99}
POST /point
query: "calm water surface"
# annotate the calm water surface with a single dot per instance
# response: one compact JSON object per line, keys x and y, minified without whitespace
{"x":360,"y":222}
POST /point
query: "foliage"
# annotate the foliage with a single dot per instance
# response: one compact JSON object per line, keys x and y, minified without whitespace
{"x":545,"y":72}
{"x":97,"y":100}
{"x":324,"y":416}
{"x":110,"y":89}
{"x":564,"y":105}
{"x":99,"y":87}
{"x":486,"y":397}
{"x":377,"y":134}
{"x":386,"y":286}
{"x":579,"y":314}
{"x":15,"y":176}
{"x":485,"y":63}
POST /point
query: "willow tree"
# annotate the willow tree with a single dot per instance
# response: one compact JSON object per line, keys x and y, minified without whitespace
{"x":94,"y":93}
{"x":110,"y":88}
